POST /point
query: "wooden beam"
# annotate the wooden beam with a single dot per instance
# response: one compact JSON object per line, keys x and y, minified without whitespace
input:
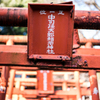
{"x":30,"y":92}
{"x":11,"y":56}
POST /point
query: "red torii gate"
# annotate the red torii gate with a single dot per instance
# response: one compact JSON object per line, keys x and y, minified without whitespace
{"x":82,"y":58}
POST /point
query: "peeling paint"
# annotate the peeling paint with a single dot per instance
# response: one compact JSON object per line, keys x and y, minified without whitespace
{"x":95,"y":91}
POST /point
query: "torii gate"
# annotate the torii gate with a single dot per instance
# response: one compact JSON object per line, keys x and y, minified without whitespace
{"x":82,"y":58}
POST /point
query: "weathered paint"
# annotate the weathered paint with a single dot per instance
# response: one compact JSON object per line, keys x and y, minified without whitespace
{"x":91,"y":55}
{"x":13,"y":16}
{"x":76,"y":41}
{"x":19,"y":16}
{"x":87,"y":19}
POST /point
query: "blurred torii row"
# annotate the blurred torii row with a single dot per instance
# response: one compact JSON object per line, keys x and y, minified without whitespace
{"x":4,"y":75}
{"x":23,"y":39}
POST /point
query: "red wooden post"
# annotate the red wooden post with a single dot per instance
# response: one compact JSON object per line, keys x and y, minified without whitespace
{"x":93,"y":79}
{"x":4,"y":77}
{"x":10,"y":42}
{"x":93,"y":85}
{"x":77,"y":85}
{"x":3,"y":84}
{"x":11,"y":83}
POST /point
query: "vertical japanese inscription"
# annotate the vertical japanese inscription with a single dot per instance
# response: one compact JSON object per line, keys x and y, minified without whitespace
{"x":50,"y":34}
{"x":51,"y":28}
{"x":44,"y":81}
